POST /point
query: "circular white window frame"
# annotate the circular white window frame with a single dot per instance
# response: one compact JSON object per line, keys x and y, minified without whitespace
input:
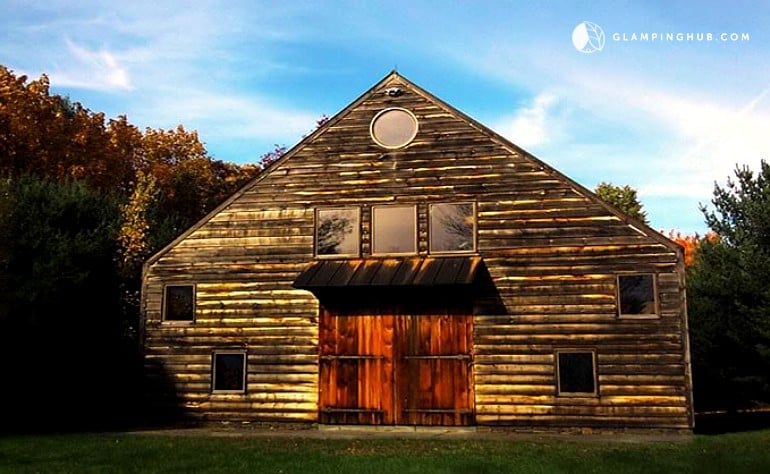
{"x":401,"y":144}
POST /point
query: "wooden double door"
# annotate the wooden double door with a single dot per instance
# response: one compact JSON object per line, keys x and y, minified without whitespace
{"x":396,"y":369}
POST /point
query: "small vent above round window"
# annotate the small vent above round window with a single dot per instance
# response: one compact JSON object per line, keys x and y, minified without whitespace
{"x":393,"y":128}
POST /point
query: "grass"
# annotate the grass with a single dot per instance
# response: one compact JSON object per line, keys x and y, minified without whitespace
{"x":85,"y":453}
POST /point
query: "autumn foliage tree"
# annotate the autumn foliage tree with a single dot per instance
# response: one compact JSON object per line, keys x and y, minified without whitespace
{"x":691,"y":243}
{"x":83,"y":202}
{"x":49,"y":136}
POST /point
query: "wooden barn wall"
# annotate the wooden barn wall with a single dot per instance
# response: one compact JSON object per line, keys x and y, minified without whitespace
{"x":552,"y":253}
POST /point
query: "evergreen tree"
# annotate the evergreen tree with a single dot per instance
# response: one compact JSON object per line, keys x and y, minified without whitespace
{"x":729,"y":296}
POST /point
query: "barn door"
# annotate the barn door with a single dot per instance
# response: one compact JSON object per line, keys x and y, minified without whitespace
{"x":387,"y":369}
{"x":434,"y":370}
{"x":356,"y":369}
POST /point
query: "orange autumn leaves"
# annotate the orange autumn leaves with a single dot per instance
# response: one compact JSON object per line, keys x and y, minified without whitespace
{"x":163,"y":178}
{"x":690,"y":243}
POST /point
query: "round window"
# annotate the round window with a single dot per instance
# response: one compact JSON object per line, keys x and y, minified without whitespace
{"x":393,"y":128}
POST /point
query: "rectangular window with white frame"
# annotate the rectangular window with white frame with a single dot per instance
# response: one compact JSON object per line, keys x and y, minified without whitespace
{"x":637,"y":296}
{"x":394,"y":230}
{"x":228,"y":372}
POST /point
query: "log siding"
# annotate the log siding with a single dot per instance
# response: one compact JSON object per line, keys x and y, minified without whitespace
{"x":552,"y":250}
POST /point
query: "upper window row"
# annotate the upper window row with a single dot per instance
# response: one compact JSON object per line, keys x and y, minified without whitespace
{"x":451,"y":228}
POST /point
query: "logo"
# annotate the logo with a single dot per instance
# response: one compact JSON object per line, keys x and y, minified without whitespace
{"x":588,"y":37}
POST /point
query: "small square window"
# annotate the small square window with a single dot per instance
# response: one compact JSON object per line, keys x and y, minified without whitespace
{"x":337,"y":232}
{"x":576,"y":373}
{"x":452,"y":227}
{"x":394,"y":230}
{"x":179,"y":303}
{"x":636,"y":295}
{"x":229,"y":372}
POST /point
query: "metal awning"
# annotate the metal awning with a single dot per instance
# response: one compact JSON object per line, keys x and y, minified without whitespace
{"x":389,"y":272}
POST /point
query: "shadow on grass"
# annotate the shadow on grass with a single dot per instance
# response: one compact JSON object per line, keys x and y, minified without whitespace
{"x":120,"y":393}
{"x":729,"y":422}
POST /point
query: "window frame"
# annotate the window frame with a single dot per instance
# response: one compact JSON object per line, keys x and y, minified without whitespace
{"x":244,"y":378}
{"x":619,"y":302}
{"x":595,"y":375}
{"x":385,"y":111}
{"x":474,"y":230}
{"x":356,"y":229}
{"x":164,"y":303}
{"x":373,"y":231}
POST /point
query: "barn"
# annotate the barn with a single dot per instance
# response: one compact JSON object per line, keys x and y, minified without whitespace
{"x":406,"y":265}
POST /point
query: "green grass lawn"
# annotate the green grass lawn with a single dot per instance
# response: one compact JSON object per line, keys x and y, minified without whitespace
{"x":81,"y":453}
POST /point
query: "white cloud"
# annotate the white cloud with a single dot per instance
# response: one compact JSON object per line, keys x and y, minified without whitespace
{"x":695,"y":138}
{"x":533,"y":125}
{"x":89,"y":69}
{"x":710,"y":139}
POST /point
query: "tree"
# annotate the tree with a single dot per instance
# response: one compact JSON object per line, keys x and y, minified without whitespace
{"x":50,"y":136}
{"x":691,"y":244}
{"x":272,"y":156}
{"x":622,"y":197}
{"x":729,"y":296}
{"x":62,"y":341}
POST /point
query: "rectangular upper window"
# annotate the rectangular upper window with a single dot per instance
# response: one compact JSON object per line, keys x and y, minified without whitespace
{"x":394,"y":230}
{"x":452,"y":227}
{"x":637,"y":296}
{"x":576,"y":373}
{"x":228,"y":372}
{"x":179,"y":303}
{"x":337,"y":232}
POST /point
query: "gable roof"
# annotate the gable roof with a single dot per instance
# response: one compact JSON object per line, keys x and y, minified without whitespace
{"x":396,"y":79}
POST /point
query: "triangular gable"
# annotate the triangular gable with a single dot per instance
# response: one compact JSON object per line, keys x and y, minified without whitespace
{"x":394,"y":79}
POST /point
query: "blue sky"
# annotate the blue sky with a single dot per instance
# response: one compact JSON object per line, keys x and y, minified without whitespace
{"x":669,"y":117}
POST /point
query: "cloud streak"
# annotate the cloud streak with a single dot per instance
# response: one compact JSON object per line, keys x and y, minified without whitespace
{"x":228,"y":116}
{"x":96,"y":70}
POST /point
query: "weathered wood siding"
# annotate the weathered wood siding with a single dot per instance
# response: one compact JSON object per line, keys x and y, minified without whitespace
{"x":552,"y":250}
{"x":244,"y":300}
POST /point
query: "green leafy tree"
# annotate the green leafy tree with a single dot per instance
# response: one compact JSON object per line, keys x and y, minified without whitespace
{"x":729,"y":296}
{"x":63,"y":347}
{"x":622,"y":197}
